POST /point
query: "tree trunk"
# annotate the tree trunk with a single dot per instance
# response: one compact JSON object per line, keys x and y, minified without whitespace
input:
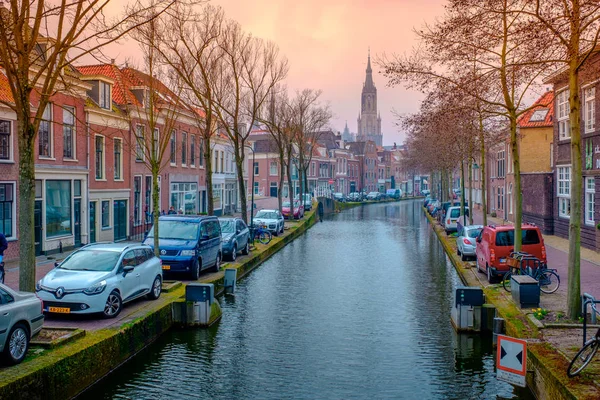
{"x":483,"y":176}
{"x":462,"y":194}
{"x":239,"y":162}
{"x":26,"y":141}
{"x":281,"y":180}
{"x":210,"y":204}
{"x":574,"y":258}
{"x":155,"y":208}
{"x":518,"y":196}
{"x":471,"y":205}
{"x":290,"y":187}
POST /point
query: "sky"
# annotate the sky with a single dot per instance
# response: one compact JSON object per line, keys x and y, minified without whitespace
{"x":327,"y":41}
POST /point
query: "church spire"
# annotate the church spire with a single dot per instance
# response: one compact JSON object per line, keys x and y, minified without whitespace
{"x":369,"y":79}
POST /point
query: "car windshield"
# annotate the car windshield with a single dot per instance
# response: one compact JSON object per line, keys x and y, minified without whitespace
{"x":91,"y":260}
{"x":180,"y":230}
{"x":266,"y":215}
{"x":507,"y":238}
{"x":473,"y":233}
{"x":227,"y":226}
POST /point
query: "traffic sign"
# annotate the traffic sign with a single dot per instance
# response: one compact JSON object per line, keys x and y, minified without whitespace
{"x":511,"y":360}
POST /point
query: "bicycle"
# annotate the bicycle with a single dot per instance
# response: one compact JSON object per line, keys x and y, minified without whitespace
{"x":263,"y":235}
{"x":526,"y":264}
{"x":585,"y":354}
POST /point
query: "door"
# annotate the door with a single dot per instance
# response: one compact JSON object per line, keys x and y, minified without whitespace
{"x":93,"y":222}
{"x":37,"y":227}
{"x":273,"y":189}
{"x":205,"y":245}
{"x":144,"y":269}
{"x":120,"y":219}
{"x":215,"y":240}
{"x":77,"y":222}
{"x":129,"y":282}
{"x":243,"y":234}
{"x":6,"y":309}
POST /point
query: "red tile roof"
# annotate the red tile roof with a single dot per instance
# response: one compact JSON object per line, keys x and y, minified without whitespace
{"x":121,"y":93}
{"x":546,"y":102}
{"x":5,"y":93}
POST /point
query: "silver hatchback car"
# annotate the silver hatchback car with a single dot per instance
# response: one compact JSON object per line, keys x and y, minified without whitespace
{"x":466,"y":240}
{"x":21,"y":317}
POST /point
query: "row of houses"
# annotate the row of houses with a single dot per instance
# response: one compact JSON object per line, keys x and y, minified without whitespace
{"x":545,"y":156}
{"x":92,"y":182}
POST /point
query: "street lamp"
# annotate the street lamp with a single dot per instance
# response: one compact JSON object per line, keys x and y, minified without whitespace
{"x":252,"y":197}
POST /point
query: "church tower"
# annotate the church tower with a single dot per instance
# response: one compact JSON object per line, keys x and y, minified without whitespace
{"x":369,"y":121}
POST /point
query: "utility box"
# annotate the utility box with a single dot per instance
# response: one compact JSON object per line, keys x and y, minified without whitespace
{"x":466,"y":313}
{"x":200,"y":292}
{"x":525,"y":291}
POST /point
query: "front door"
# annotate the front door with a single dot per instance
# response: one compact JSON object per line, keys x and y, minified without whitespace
{"x":120,"y":219}
{"x":92,"y":222}
{"x":37,"y":227}
{"x":77,"y":221}
{"x":273,"y":190}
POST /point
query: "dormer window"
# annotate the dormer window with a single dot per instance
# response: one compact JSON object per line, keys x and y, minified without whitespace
{"x":105,"y":96}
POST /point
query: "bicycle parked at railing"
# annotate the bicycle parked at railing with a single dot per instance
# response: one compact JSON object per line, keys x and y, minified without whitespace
{"x":526,"y":264}
{"x":262,"y":234}
{"x":586,"y":353}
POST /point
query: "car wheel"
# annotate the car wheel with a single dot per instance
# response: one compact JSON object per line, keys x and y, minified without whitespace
{"x":463,"y":257}
{"x":217,"y":266}
{"x":196,"y":270}
{"x":113,"y":305}
{"x":246,"y":249}
{"x":17,"y":344}
{"x":490,"y":276}
{"x":276,"y":233}
{"x":457,"y":251}
{"x":233,"y":255}
{"x":156,"y":289}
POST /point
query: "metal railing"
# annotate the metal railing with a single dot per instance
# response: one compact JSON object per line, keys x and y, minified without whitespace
{"x":586,"y":300}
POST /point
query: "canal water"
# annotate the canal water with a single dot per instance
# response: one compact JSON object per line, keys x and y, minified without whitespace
{"x":357,"y":308}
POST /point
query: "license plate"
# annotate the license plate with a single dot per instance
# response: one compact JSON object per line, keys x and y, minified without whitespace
{"x":167,"y":267}
{"x":60,"y":310}
{"x":503,"y":260}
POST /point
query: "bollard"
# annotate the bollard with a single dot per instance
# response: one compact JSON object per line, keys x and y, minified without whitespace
{"x":498,"y":329}
{"x":229,"y":280}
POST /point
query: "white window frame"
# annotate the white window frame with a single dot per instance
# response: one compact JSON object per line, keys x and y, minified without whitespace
{"x":156,"y":143}
{"x":564,"y":125}
{"x":173,"y":148}
{"x":139,"y":143}
{"x":102,"y":176}
{"x":184,"y":143}
{"x":107,"y":227}
{"x":140,"y":216}
{"x":13,"y":210}
{"x":10,"y":136}
{"x":73,"y":127}
{"x":271,"y":171}
{"x":120,"y":141}
{"x":256,"y":168}
{"x":105,"y":101}
{"x":192,"y":150}
{"x":48,"y":119}
{"x":563,"y":179}
{"x":590,"y":192}
{"x":589,"y":109}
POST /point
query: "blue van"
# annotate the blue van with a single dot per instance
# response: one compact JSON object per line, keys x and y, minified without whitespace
{"x":188,"y":244}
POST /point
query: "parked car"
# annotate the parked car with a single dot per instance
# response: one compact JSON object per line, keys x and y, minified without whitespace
{"x":235,"y":237}
{"x":425,"y":192}
{"x":21,"y":318}
{"x":451,"y":217}
{"x":287,"y":211}
{"x":100,"y":278}
{"x":393,"y":193}
{"x":307,"y":201}
{"x":374,"y":196}
{"x":355,"y":196}
{"x":188,"y":243}
{"x":339,"y":197}
{"x":495,"y":243}
{"x":466,"y":240}
{"x":271,"y":220}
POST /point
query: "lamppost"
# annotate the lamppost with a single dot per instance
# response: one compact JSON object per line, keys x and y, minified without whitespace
{"x":252,"y":196}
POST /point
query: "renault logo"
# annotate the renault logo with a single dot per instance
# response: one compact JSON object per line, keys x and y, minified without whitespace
{"x":60,"y":292}
{"x":163,"y":252}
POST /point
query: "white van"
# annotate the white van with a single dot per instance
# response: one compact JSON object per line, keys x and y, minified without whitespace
{"x":452,"y":215}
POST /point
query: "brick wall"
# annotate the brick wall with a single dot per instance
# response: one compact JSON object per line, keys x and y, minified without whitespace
{"x":538,"y":199}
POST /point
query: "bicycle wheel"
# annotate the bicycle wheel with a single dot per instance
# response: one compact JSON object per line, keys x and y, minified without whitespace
{"x":582,"y":358}
{"x":549,"y":281}
{"x":506,"y":281}
{"x":264,"y":237}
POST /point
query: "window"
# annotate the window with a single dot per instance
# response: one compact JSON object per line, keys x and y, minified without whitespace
{"x":590,"y":190}
{"x":500,"y":164}
{"x":184,"y":196}
{"x":68,"y":131}
{"x":99,"y":157}
{"x":4,"y":140}
{"x":256,"y":188}
{"x":58,"y":208}
{"x":312,"y":169}
{"x":539,"y":115}
{"x":273,"y":168}
{"x":118,"y":159}
{"x":564,"y":126}
{"x":193,"y":150}
{"x":6,"y":209}
{"x":201,"y":153}
{"x":173,"y":147}
{"x":183,"y":148}
{"x":105,"y":100}
{"x":155,"y":145}
{"x":105,"y":214}
{"x":510,"y":198}
{"x":137,"y":200}
{"x":500,"y":204}
{"x":139,"y":143}
{"x":148,"y":198}
{"x":256,"y":170}
{"x":44,"y":133}
{"x":589,"y":110}
{"x":222,"y":158}
{"x":564,"y":191}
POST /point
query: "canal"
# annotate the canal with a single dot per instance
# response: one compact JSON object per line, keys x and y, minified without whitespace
{"x":357,"y":308}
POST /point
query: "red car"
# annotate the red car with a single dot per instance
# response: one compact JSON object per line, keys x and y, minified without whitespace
{"x":298,"y":210}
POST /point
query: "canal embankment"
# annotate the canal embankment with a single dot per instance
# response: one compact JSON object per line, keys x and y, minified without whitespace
{"x":546,"y":364}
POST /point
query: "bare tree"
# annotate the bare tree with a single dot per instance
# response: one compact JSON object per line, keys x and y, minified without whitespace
{"x":246,"y":73}
{"x":39,"y":41}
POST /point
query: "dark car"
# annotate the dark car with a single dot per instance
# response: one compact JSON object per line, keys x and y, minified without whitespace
{"x":188,"y":244}
{"x":235,"y":237}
